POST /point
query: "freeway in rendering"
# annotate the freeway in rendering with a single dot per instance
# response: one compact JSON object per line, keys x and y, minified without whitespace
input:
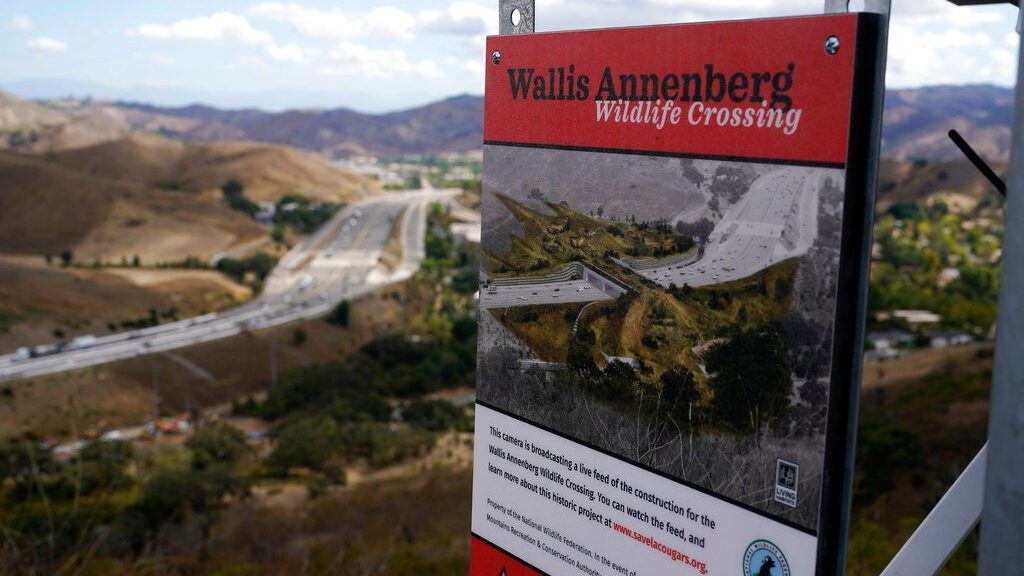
{"x":776,"y":220}
{"x":342,"y":260}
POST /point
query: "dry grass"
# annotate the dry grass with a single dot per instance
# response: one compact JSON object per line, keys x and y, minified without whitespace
{"x":548,"y":335}
{"x":39,"y":299}
{"x":152,"y":197}
{"x":121,"y":393}
{"x":917,"y":364}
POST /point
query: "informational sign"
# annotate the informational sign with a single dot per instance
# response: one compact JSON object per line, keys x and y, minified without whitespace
{"x":673,"y":262}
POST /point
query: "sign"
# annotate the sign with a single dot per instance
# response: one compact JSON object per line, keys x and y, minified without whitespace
{"x":673,"y":267}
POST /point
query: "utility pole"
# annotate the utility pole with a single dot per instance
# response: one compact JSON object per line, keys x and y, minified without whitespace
{"x":273,"y":359}
{"x":156,"y":389}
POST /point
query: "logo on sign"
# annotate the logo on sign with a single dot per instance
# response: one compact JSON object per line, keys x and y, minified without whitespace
{"x":786,"y":476}
{"x":764,"y":559}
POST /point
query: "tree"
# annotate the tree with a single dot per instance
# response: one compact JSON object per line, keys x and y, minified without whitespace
{"x":234,"y":194}
{"x":752,"y":383}
{"x":678,"y":387}
{"x":307,"y":443}
{"x":339,"y":316}
{"x":277,"y":233}
{"x":66,"y":257}
{"x":298,"y":337}
{"x":232,"y":189}
{"x":432,"y":415}
{"x":217,"y":444}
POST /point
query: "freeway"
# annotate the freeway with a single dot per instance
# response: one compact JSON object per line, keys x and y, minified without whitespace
{"x":341,"y":260}
{"x":776,"y":220}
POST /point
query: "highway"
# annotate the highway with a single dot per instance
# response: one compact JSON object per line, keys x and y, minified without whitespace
{"x":775,"y":221}
{"x":341,"y":260}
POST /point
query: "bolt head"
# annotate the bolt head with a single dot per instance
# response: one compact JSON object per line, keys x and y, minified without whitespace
{"x":496,"y":57}
{"x":832,"y":45}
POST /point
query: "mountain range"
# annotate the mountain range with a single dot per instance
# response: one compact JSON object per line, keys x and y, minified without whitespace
{"x":916,"y":123}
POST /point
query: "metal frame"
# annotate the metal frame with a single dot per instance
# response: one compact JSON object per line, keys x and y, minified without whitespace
{"x":991,"y":489}
{"x":992,"y":485}
{"x":946,"y":526}
{"x":526,"y":23}
{"x":1002,"y":527}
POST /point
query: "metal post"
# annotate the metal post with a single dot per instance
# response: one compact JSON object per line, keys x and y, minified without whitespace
{"x":1002,"y":524}
{"x":515,"y":17}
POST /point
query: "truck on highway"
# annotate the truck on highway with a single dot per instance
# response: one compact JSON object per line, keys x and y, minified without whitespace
{"x":82,"y":342}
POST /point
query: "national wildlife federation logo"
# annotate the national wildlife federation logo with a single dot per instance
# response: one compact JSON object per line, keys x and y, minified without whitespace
{"x":764,"y":559}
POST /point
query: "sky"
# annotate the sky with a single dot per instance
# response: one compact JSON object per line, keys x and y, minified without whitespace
{"x":393,"y":54}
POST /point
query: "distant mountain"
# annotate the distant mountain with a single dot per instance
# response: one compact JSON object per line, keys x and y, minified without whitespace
{"x":451,"y":125}
{"x":916,"y":122}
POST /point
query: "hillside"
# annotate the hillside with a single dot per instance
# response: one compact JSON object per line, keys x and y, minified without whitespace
{"x":451,"y":125}
{"x":916,"y":122}
{"x":34,"y":127}
{"x":954,"y":181}
{"x":150,"y":196}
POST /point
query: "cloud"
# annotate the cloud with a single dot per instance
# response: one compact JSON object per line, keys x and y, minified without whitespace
{"x":359,"y":60}
{"x":46,"y":44}
{"x":923,"y":57}
{"x":291,"y":53}
{"x":219,"y":26}
{"x":22,"y":23}
{"x":157,"y":59}
{"x":384,"y":21}
{"x":461,"y":19}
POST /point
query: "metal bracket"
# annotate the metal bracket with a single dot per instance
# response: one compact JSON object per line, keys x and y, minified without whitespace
{"x":843,"y":6}
{"x":946,"y":526}
{"x":516,"y":17}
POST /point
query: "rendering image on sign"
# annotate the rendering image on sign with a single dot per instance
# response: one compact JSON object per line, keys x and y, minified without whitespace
{"x":668,"y":290}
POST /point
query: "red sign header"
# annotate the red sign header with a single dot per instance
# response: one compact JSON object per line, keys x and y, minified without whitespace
{"x":703,"y":90}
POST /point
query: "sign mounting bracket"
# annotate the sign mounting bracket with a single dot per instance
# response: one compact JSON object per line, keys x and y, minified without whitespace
{"x":516,"y":17}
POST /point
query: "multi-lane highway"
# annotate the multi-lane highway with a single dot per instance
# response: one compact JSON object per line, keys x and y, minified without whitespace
{"x":341,"y":260}
{"x":775,"y":220}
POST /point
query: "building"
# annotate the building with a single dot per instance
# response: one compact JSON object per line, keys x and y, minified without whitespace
{"x":912,"y":318}
{"x":946,"y":338}
{"x":887,"y":340}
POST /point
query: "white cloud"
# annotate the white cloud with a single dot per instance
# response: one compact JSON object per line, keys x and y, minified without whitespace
{"x":461,"y":18}
{"x":384,"y":21}
{"x":250,"y":61}
{"x":219,"y":26}
{"x":157,"y":59}
{"x":921,"y":57}
{"x":291,"y":53}
{"x":46,"y":44}
{"x":22,"y":23}
{"x":359,"y":60}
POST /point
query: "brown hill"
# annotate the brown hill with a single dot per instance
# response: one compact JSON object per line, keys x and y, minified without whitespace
{"x":34,"y":127}
{"x":150,"y":196}
{"x":916,"y":122}
{"x":920,"y":180}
